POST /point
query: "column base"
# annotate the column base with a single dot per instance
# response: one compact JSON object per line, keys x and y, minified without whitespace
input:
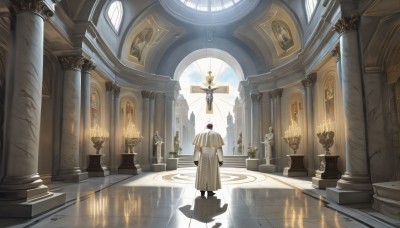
{"x":32,"y":207}
{"x":96,"y":167}
{"x":252,"y":164}
{"x":128,"y":165}
{"x":345,"y":196}
{"x":159,"y":167}
{"x":267,"y":168}
{"x":74,"y":177}
{"x":296,"y":166}
{"x":172,"y":163}
{"x":323,"y":183}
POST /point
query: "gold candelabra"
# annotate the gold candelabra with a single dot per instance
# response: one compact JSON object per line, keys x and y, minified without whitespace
{"x":325,"y":135}
{"x":98,"y":137}
{"x":293,"y":136}
{"x":132,"y":138}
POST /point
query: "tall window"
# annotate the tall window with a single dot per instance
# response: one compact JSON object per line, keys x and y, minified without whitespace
{"x":310,"y":7}
{"x":115,"y":13}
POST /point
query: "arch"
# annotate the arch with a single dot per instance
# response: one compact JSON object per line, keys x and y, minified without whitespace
{"x":206,"y":53}
{"x":310,"y":8}
{"x":115,"y":12}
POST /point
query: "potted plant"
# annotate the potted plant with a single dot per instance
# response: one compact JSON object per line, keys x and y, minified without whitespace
{"x":251,"y":151}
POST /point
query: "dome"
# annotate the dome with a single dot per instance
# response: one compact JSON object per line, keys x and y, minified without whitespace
{"x":210,"y":5}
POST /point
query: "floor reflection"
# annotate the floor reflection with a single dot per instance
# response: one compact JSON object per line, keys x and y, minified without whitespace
{"x":204,"y":209}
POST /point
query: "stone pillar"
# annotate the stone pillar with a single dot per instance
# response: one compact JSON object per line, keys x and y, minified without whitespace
{"x":309,"y":133}
{"x":355,"y":182}
{"x":169,"y":123}
{"x":113,"y":91}
{"x":256,"y":121}
{"x":87,"y":145}
{"x":70,"y":128}
{"x":151,"y":127}
{"x":144,"y":154}
{"x":280,"y":161}
{"x":20,"y":182}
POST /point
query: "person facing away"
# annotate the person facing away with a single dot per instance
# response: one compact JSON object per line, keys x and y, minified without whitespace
{"x":208,"y":157}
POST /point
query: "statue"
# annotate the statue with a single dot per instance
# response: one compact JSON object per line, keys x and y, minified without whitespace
{"x":239,"y":142}
{"x":177,"y":147}
{"x":209,"y":96}
{"x":268,"y":143}
{"x":157,"y":143}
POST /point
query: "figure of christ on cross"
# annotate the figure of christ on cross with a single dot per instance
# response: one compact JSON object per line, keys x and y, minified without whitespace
{"x":209,"y":91}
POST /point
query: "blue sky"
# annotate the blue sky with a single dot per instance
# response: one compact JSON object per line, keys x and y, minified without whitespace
{"x":195,"y":74}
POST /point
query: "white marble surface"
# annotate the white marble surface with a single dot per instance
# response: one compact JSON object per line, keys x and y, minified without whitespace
{"x":144,"y":154}
{"x":22,"y":125}
{"x":69,"y":162}
{"x":163,"y":200}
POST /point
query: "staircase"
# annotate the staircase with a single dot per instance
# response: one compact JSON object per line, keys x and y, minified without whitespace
{"x":229,"y":161}
{"x":387,"y":198}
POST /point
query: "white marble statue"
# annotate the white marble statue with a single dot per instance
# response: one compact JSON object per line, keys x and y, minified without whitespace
{"x":158,"y":141}
{"x":268,"y":144}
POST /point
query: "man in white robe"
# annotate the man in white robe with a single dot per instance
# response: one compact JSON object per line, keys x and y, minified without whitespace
{"x":208,"y":157}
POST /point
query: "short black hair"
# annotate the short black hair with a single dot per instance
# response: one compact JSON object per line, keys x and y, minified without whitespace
{"x":210,"y":126}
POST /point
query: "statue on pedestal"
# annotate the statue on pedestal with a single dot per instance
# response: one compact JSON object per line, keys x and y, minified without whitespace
{"x":239,"y":142}
{"x":268,"y":144}
{"x":158,"y":140}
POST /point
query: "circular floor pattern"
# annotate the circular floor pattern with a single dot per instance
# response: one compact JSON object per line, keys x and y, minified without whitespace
{"x":231,"y":176}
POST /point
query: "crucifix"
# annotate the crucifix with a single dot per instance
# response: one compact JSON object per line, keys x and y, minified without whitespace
{"x":209,"y":90}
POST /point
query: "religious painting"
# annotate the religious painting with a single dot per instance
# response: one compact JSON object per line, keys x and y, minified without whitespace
{"x":128,"y":113}
{"x":329,"y":99}
{"x":294,"y":110}
{"x":140,"y":42}
{"x":94,"y":109}
{"x":282,"y":34}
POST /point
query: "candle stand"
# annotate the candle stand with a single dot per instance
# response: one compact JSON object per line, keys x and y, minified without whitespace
{"x":96,"y":167}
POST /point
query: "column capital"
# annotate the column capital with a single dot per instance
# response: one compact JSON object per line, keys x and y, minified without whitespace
{"x":309,"y":80}
{"x":345,"y":24}
{"x":153,"y":95}
{"x":38,"y":7}
{"x":88,"y":65}
{"x":109,"y":86}
{"x":256,"y":96}
{"x":116,"y":90}
{"x":73,"y":62}
{"x":336,"y":53}
{"x":277,"y":93}
{"x":145,"y":94}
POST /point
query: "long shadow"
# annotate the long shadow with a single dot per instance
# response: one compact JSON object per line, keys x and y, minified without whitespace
{"x":205,"y":209}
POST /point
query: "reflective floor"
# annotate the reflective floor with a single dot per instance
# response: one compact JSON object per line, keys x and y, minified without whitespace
{"x":168,"y":199}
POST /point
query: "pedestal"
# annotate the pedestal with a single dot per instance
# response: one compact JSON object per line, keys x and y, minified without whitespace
{"x":96,"y":167}
{"x":345,"y":196}
{"x":128,"y":164}
{"x":252,"y":164}
{"x":296,"y":166}
{"x":327,"y":174}
{"x":267,"y":168}
{"x":159,"y":167}
{"x":172,"y":163}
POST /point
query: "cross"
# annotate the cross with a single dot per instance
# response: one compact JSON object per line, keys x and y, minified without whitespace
{"x":209,"y":90}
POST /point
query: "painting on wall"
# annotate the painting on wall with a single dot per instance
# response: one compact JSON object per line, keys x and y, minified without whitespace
{"x":295,"y":112}
{"x":283,"y":34}
{"x":139,"y":43}
{"x":94,"y":109}
{"x":329,"y":99}
{"x":127,"y":110}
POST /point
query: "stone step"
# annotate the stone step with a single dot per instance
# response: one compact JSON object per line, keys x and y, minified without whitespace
{"x":389,"y":190}
{"x":229,"y":161}
{"x":387,"y":198}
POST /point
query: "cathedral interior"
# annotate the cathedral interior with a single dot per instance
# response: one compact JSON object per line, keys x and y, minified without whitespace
{"x":101,"y":100}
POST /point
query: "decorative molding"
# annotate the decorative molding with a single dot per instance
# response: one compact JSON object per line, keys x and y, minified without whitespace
{"x":153,"y":95}
{"x":309,"y":80}
{"x":113,"y":87}
{"x":71,"y":62}
{"x":146,"y":94}
{"x":277,"y":93}
{"x":38,"y":7}
{"x":109,"y":86}
{"x":256,"y":96}
{"x":88,"y":65}
{"x":346,"y":24}
{"x":336,"y":53}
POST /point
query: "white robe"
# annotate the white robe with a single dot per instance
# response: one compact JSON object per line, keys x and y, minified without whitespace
{"x":208,"y":152}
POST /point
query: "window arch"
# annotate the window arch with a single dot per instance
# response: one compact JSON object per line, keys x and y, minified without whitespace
{"x":115,"y":12}
{"x":310,"y":7}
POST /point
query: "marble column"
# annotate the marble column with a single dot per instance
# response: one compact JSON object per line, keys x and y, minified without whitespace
{"x":308,"y":84}
{"x":256,"y":121}
{"x":169,"y":123}
{"x":113,"y":91}
{"x":145,"y":153}
{"x":356,"y":177}
{"x":86,"y":147}
{"x":70,"y":128}
{"x":280,"y":161}
{"x":151,"y":126}
{"x":20,"y":182}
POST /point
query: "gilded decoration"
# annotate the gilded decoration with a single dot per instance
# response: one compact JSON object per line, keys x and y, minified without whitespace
{"x":283,"y":34}
{"x":71,"y":62}
{"x":37,"y":6}
{"x":345,"y":24}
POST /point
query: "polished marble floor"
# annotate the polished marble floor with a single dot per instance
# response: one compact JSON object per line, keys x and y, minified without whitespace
{"x":168,"y":199}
